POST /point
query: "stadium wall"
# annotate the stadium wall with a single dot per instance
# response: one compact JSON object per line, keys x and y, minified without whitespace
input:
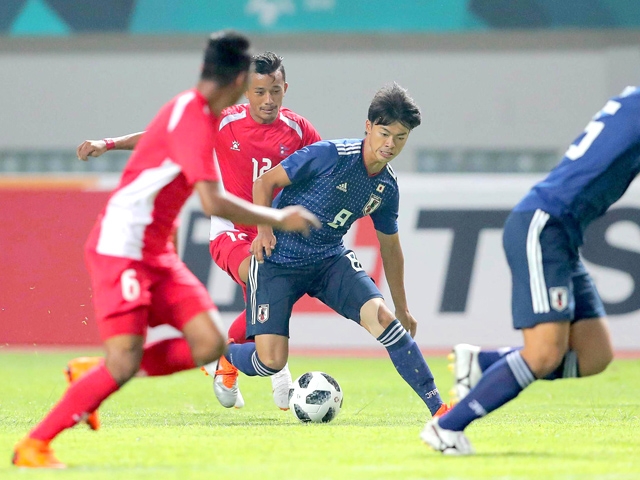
{"x":532,"y":90}
{"x":457,"y":280}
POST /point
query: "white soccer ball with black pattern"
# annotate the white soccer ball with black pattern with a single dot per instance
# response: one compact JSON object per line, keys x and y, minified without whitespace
{"x":315,"y":397}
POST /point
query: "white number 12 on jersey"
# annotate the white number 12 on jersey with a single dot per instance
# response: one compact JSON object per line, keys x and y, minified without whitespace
{"x":259,"y":170}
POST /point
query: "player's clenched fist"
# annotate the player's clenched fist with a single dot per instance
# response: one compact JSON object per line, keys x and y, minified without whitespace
{"x":298,"y":219}
{"x":91,"y":148}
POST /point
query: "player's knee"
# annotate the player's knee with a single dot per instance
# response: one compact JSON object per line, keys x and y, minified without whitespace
{"x":605,"y":356}
{"x":385,"y":316}
{"x":123,"y":363}
{"x":543,"y":360}
{"x":375,"y":316}
{"x":601,"y":365}
{"x":596,"y":362}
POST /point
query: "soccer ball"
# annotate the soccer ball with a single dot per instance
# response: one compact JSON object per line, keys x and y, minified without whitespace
{"x":315,"y":397}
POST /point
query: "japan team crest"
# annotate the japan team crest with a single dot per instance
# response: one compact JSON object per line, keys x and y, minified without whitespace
{"x":372,"y":205}
{"x":263,"y":312}
{"x":559,"y":297}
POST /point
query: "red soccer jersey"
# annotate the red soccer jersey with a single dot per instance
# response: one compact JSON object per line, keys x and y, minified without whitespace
{"x":246,"y":149}
{"x":175,"y":152}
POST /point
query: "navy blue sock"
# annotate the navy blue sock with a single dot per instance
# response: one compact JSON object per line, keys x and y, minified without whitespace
{"x":486,"y":358}
{"x":245,"y":358}
{"x":502,"y":382}
{"x":410,"y":364}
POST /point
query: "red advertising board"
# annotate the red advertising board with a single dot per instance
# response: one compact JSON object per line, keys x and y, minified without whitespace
{"x":45,"y":296}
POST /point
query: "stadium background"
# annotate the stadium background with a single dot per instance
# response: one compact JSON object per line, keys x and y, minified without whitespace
{"x":504,"y":87}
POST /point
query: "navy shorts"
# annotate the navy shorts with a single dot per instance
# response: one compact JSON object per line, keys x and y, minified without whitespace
{"x":339,"y":282}
{"x":549,"y":281}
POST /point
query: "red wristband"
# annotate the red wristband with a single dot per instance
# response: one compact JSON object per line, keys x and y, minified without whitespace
{"x":109,"y":143}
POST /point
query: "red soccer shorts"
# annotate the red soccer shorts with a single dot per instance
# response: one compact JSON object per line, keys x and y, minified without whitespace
{"x":130,"y":295}
{"x":229,"y":249}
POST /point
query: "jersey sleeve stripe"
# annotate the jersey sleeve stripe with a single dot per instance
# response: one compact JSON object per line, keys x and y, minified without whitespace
{"x":232,"y":118}
{"x":349,"y":148}
{"x":178,"y":109}
{"x":292,"y":124}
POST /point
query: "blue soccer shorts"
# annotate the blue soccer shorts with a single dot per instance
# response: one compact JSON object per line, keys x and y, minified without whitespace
{"x":339,"y":282}
{"x":549,"y":281}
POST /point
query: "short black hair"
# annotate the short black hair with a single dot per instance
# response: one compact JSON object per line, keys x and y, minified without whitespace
{"x":227,"y":55}
{"x":393,"y":104}
{"x":267,"y":63}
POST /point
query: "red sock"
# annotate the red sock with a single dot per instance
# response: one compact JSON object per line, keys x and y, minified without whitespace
{"x":83,"y":396}
{"x":238,"y":329}
{"x":166,"y":357}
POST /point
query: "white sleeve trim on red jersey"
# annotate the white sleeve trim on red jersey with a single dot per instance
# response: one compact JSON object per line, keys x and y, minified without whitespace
{"x":219,"y":226}
{"x":178,"y":109}
{"x":130,"y":210}
{"x":292,"y":124}
{"x":232,"y":118}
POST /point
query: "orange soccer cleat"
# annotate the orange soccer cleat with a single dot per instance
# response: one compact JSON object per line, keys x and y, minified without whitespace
{"x":76,"y":368}
{"x":444,"y":408}
{"x":33,"y":453}
{"x":225,"y":384}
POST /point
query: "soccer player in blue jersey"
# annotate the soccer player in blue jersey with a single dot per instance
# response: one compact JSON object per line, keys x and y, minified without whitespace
{"x":340,"y":181}
{"x":554,"y":300}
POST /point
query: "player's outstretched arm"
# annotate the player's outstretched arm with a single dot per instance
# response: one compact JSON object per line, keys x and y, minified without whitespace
{"x":95,"y":148}
{"x":393,"y":262}
{"x":216,"y":202}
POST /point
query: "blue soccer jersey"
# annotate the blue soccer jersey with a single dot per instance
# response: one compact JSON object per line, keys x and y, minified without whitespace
{"x":330,"y":179}
{"x":596,"y":170}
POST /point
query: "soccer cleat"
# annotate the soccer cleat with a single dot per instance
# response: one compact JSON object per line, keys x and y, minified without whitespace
{"x":239,"y":400}
{"x":281,"y":383}
{"x":447,"y":442}
{"x":210,"y":370}
{"x":444,"y":408}
{"x":33,"y":453}
{"x":225,"y":384}
{"x":466,"y":369}
{"x":76,"y":368}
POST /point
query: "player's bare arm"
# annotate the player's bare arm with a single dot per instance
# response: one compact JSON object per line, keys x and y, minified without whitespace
{"x":263,"y":189}
{"x":393,"y":261}
{"x":216,"y":202}
{"x":95,"y":148}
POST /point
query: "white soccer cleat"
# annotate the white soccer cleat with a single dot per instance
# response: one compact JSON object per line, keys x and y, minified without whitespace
{"x":466,"y":369}
{"x":225,"y":383}
{"x":447,"y":442}
{"x":239,"y":400}
{"x":281,"y":383}
{"x":210,"y":369}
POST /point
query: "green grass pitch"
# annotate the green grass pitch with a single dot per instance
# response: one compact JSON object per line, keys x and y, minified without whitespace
{"x":173,"y":428}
